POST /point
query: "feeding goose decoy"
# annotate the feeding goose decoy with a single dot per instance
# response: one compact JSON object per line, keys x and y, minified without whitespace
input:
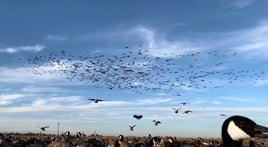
{"x":236,"y":128}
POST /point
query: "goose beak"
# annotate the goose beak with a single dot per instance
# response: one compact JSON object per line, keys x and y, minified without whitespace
{"x":261,"y":131}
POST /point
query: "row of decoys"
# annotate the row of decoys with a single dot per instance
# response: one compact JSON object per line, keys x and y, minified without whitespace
{"x":234,"y":130}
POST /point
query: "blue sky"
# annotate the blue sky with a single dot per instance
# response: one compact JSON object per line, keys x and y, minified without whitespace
{"x":143,"y":57}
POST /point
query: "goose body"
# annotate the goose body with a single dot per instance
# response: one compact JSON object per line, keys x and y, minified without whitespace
{"x":121,"y":141}
{"x":236,"y":128}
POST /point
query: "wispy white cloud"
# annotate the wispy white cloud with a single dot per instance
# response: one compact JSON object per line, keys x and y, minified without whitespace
{"x":250,"y":43}
{"x":250,"y":38}
{"x":73,"y":100}
{"x":239,"y":4}
{"x":33,"y":48}
{"x":159,"y":46}
{"x":9,"y":98}
{"x":260,"y":82}
{"x":155,"y":42}
{"x":22,"y":74}
{"x":153,"y":101}
{"x":76,"y":104}
{"x":237,"y":99}
{"x":56,"y":38}
{"x":41,"y":89}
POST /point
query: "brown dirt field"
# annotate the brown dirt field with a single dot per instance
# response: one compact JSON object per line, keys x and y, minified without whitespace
{"x":130,"y":139}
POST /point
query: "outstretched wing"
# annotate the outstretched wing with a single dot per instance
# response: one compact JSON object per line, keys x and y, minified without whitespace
{"x":44,"y":128}
{"x":96,"y":100}
{"x":137,"y":116}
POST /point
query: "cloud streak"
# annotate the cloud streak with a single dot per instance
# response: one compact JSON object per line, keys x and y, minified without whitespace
{"x":239,"y":4}
{"x":159,"y":46}
{"x":55,"y":38}
{"x":13,"y":50}
{"x":8,"y":98}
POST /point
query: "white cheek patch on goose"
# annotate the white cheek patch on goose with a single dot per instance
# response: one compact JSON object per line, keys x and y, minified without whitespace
{"x":235,"y":132}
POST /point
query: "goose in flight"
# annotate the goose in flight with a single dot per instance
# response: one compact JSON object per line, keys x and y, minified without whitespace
{"x":187,"y":111}
{"x":176,"y":110}
{"x":95,"y":100}
{"x":156,"y":122}
{"x":137,"y":116}
{"x":44,"y":128}
{"x":184,"y":103}
{"x":222,"y":114}
{"x":131,"y":127}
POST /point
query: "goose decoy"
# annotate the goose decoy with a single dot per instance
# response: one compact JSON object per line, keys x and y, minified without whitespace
{"x":95,"y":100}
{"x":236,"y":128}
{"x":121,"y":141}
{"x":154,"y":141}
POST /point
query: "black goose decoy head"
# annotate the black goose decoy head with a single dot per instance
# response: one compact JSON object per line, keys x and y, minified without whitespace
{"x":236,"y":128}
{"x":121,"y":138}
{"x":154,"y":141}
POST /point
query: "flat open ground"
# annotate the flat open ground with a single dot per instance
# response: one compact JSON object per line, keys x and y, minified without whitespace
{"x":46,"y":139}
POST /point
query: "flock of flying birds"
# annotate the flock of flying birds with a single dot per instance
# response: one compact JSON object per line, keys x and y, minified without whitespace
{"x":139,"y":71}
{"x":156,"y":122}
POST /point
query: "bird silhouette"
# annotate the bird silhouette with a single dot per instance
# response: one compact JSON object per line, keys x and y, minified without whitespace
{"x":156,"y":122}
{"x":176,"y":110}
{"x":184,"y":103}
{"x":95,"y":100}
{"x":222,"y":114}
{"x":44,"y":128}
{"x":138,"y":117}
{"x":131,"y":127}
{"x":187,"y":111}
